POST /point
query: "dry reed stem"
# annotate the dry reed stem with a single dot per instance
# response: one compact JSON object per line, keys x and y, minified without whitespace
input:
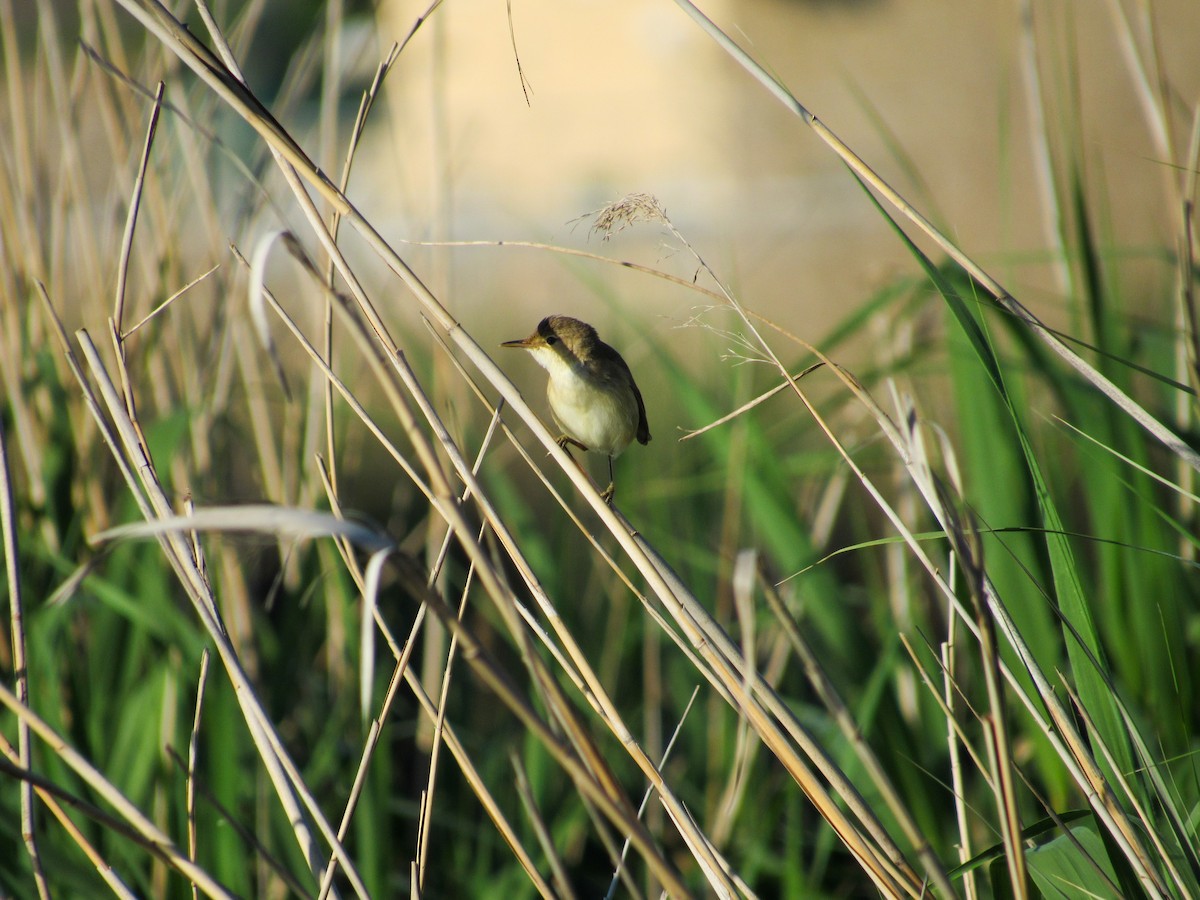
{"x":951,"y":687}
{"x":558,"y":870}
{"x":132,"y":216}
{"x":1147,"y":78}
{"x":435,"y":750}
{"x":171,"y":299}
{"x":193,"y":752}
{"x":17,"y":224}
{"x":16,"y":619}
{"x":1039,"y":139}
{"x":948,"y":661}
{"x":365,"y":106}
{"x":612,"y":887}
{"x":1187,"y":354}
{"x":995,"y":739}
{"x":964,"y":538}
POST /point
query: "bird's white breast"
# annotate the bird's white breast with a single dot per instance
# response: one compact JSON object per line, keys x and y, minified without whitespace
{"x":599,"y":414}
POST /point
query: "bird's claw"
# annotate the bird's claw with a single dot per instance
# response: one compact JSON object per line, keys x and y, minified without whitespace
{"x":563,"y":439}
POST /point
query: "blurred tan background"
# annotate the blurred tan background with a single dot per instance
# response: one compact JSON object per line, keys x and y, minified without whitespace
{"x":630,"y":95}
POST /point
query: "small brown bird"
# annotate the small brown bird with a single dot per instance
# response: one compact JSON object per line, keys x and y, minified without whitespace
{"x":593,"y":396}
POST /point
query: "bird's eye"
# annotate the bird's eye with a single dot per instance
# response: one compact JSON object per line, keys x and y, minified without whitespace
{"x":552,"y":340}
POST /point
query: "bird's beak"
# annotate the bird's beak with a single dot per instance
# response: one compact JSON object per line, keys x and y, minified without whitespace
{"x":534,"y":340}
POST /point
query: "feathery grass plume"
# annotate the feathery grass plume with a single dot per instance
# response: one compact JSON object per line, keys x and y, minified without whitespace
{"x":615,"y":217}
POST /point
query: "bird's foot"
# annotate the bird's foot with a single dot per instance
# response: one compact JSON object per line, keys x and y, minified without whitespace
{"x":607,"y":494}
{"x":563,"y":439}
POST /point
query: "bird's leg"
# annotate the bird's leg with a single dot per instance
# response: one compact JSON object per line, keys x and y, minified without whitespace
{"x":607,"y":494}
{"x":563,"y":439}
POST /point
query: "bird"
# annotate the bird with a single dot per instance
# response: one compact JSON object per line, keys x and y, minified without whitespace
{"x":593,"y":397}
